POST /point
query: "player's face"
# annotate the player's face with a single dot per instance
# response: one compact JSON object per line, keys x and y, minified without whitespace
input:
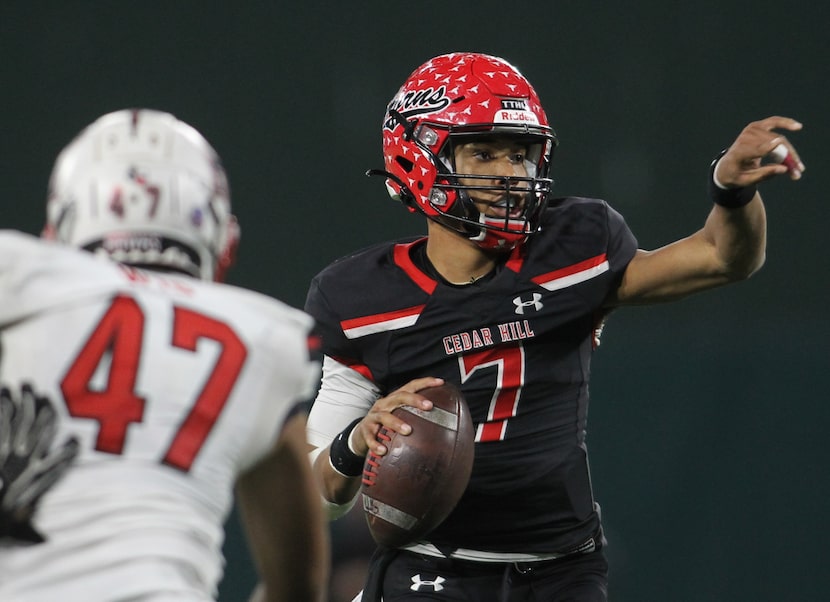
{"x":499,"y":159}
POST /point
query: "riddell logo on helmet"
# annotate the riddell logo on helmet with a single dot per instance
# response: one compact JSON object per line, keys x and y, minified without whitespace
{"x":514,"y":116}
{"x":416,"y":102}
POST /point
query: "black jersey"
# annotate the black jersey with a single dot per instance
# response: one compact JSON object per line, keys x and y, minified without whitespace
{"x":519,"y":344}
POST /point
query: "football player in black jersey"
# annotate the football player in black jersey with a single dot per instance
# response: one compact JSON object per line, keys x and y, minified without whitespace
{"x":504,"y":297}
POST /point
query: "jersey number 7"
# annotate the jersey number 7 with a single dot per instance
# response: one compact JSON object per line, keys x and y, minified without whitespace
{"x":119,"y":335}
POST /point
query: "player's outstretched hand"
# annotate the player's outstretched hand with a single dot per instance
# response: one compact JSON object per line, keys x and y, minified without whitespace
{"x":364,"y":436}
{"x":28,"y":465}
{"x":759,"y":153}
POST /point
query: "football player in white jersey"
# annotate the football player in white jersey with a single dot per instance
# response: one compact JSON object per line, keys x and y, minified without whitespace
{"x":181,"y":391}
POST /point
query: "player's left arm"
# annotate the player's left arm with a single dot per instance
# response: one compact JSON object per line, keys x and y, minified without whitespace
{"x":731,"y":245}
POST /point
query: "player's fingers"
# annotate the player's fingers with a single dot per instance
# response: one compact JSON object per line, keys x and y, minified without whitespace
{"x":24,"y":419}
{"x":404,"y":397}
{"x":765,"y":172}
{"x":780,"y":151}
{"x":760,"y":152}
{"x":375,"y":420}
{"x":378,"y":419}
{"x":365,"y":433}
{"x":421,"y":383}
{"x":381,"y":416}
{"x":7,"y":410}
{"x":779,"y":122}
{"x":43,"y":431}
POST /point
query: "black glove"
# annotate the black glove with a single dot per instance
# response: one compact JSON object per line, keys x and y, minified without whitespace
{"x":28,"y":468}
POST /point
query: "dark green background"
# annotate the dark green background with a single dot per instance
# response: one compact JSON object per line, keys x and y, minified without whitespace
{"x":709,"y":415}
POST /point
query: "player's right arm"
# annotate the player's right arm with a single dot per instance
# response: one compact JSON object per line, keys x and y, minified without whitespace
{"x":284,"y":522}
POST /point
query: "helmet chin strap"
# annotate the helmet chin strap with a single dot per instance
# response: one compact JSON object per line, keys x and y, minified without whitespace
{"x":474,"y":230}
{"x":466,"y":220}
{"x":463,"y":227}
{"x":406,"y":197}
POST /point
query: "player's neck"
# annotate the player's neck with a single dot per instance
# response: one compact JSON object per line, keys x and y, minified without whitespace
{"x":456,"y":259}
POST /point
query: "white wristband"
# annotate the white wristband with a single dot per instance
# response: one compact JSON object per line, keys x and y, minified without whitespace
{"x":715,"y":177}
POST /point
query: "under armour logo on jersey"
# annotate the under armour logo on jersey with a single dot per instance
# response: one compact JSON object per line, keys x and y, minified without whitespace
{"x":535,"y":303}
{"x":435,"y":584}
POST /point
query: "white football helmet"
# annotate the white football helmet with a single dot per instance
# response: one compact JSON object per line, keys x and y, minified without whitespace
{"x":145,"y":189}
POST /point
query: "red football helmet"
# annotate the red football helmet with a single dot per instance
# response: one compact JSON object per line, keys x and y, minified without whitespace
{"x":449,"y":100}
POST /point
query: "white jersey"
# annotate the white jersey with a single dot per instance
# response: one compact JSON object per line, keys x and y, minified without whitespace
{"x":174,"y":386}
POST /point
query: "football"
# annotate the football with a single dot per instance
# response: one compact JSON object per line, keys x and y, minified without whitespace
{"x":413,"y":487}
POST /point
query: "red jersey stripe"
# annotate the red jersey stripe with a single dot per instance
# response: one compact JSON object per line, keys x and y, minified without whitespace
{"x":393,"y":320}
{"x":573,"y":274}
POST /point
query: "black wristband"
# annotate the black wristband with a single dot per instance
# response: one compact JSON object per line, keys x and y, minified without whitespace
{"x":731,"y":198}
{"x":342,"y":458}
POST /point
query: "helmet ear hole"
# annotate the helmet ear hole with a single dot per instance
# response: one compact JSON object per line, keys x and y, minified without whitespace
{"x":405,"y":163}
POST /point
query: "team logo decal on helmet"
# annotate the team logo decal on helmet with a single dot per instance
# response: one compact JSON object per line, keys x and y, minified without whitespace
{"x":145,"y":189}
{"x":417,"y":102}
{"x":451,"y":99}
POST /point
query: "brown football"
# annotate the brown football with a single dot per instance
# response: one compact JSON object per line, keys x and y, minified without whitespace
{"x":413,"y":487}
